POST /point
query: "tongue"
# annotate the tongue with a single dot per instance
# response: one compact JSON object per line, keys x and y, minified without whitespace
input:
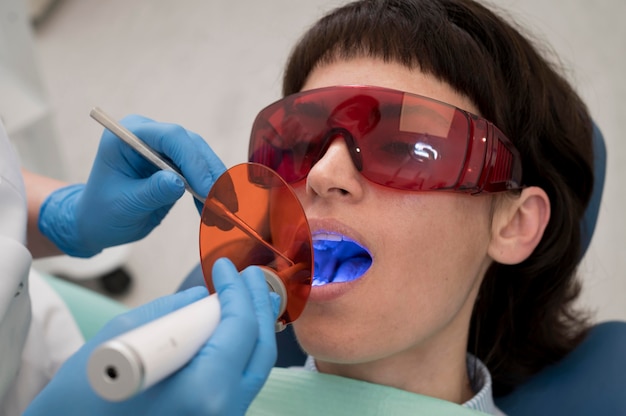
{"x":337,"y":262}
{"x":351,"y":269}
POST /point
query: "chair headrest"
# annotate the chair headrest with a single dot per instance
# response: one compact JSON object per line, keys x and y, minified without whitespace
{"x":588,"y":224}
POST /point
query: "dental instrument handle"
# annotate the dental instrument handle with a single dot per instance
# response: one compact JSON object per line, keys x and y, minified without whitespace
{"x":137,"y":144}
{"x":132,"y":362}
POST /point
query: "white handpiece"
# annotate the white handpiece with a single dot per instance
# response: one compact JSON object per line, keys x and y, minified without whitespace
{"x":136,"y":360}
{"x":124,"y":366}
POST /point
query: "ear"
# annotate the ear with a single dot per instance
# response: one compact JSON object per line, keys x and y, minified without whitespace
{"x":518,"y":225}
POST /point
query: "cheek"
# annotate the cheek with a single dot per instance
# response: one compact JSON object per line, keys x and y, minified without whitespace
{"x":438,"y":256}
{"x":440,"y":231}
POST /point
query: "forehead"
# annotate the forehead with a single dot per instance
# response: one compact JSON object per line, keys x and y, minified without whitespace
{"x":376,"y":72}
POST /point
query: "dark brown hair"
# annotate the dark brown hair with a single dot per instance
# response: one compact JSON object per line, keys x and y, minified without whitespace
{"x":524,"y":318}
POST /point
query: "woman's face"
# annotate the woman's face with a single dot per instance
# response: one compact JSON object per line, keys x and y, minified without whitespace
{"x":428,"y":249}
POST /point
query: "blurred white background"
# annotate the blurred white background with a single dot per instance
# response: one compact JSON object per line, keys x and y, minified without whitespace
{"x":212,"y":65}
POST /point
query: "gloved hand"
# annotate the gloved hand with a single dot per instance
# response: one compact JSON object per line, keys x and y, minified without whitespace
{"x":222,"y":379}
{"x":126,"y":196}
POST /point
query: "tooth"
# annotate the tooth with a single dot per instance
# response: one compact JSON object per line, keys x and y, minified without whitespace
{"x":327,"y":236}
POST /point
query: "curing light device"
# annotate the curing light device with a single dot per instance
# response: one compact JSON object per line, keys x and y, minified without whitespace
{"x":250,"y":216}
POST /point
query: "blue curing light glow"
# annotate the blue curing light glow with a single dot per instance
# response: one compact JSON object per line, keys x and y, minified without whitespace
{"x":338,"y":259}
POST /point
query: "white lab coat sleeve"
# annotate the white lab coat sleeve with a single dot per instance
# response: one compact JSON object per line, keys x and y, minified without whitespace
{"x":15,"y":261}
{"x":53,"y":336}
{"x":15,"y":311}
{"x":31,"y":350}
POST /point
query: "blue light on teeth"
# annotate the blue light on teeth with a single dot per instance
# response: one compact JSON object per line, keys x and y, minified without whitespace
{"x":338,"y":259}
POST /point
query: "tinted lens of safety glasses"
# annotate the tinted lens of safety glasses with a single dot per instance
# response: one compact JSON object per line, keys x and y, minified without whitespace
{"x":252,"y":217}
{"x":399,"y":140}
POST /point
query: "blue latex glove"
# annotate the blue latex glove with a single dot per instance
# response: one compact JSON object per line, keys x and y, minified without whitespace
{"x":222,"y":379}
{"x":126,"y":196}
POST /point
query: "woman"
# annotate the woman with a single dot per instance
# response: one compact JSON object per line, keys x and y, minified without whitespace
{"x":438,"y":269}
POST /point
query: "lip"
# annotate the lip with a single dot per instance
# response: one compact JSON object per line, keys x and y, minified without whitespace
{"x":332,"y":291}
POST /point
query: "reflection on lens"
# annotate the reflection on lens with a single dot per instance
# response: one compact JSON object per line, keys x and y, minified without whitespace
{"x":252,"y":217}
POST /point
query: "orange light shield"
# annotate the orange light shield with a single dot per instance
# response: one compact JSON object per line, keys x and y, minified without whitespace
{"x":252,"y":217}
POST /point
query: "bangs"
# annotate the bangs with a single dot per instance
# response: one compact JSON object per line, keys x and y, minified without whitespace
{"x":419,"y":34}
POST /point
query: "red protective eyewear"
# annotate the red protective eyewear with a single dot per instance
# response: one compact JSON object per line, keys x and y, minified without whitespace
{"x":396,"y":139}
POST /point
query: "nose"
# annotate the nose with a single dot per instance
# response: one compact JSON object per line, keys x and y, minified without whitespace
{"x":335,"y":174}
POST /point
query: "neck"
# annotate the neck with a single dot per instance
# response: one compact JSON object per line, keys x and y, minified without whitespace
{"x":435,"y":367}
{"x":434,"y":373}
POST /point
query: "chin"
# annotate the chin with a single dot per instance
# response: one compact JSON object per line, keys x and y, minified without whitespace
{"x":336,"y":343}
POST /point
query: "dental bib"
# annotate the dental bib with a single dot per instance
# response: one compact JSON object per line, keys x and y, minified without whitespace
{"x":300,"y":392}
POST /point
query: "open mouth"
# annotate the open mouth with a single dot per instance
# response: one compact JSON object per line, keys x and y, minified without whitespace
{"x":338,"y":259}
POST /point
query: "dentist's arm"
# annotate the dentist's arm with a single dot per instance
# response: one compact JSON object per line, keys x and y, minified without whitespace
{"x":38,"y":188}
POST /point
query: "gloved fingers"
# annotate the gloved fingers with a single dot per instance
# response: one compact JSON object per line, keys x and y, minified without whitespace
{"x":157,"y":191}
{"x":225,"y":193}
{"x":223,"y":360}
{"x":265,"y":307}
{"x":216,"y":166}
{"x":134,"y":208}
{"x":118,"y":158}
{"x":186,"y":150}
{"x":265,"y":310}
{"x":264,"y":355}
{"x":148,"y":312}
{"x":216,"y":169}
{"x":231,"y":345}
